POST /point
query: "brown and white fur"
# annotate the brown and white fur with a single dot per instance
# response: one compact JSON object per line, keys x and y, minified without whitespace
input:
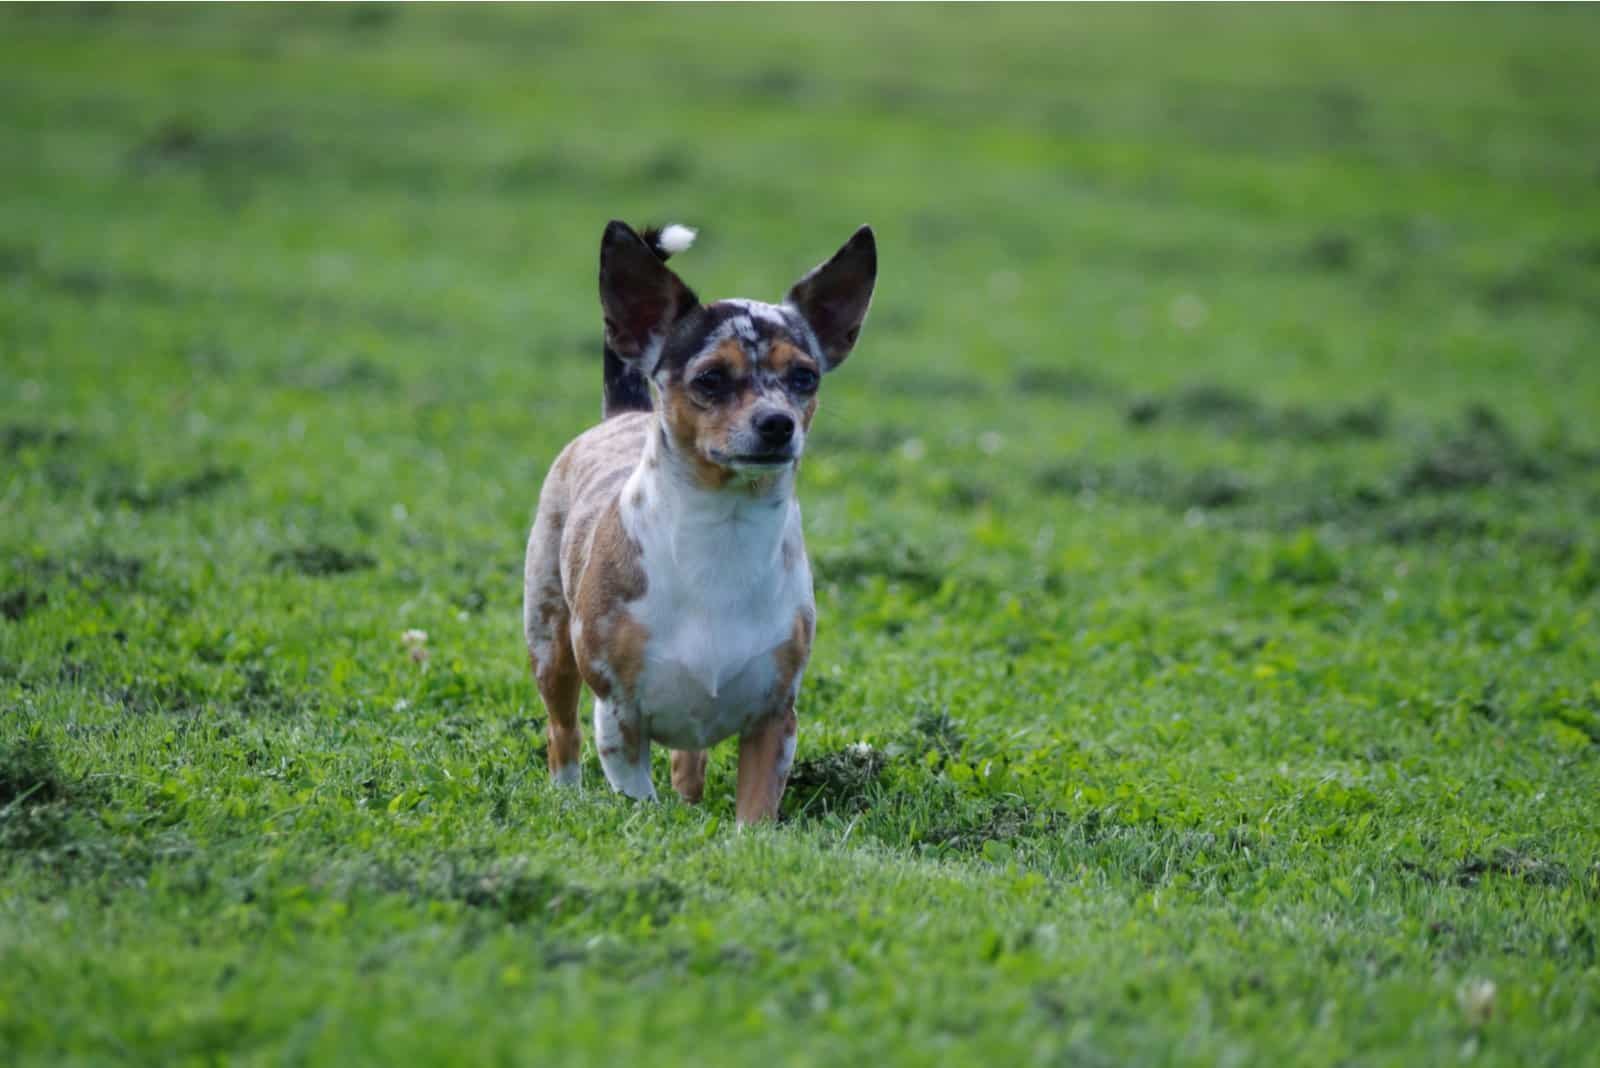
{"x":666,"y":567}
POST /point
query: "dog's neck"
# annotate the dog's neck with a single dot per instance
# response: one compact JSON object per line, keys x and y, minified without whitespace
{"x":755,"y":510}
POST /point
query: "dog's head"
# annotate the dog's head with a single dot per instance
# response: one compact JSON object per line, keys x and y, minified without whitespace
{"x":735,"y":380}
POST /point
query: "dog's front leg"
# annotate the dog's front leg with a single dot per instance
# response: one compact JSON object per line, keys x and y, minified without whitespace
{"x":619,"y":734}
{"x":689,"y":774}
{"x":766,"y":752}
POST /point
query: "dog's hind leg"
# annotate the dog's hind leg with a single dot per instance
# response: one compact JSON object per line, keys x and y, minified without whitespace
{"x":624,"y":750}
{"x":559,"y":686}
{"x":546,"y":623}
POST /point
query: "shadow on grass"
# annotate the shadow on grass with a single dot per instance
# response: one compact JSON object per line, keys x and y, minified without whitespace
{"x":43,"y":810}
{"x":322,"y":559}
{"x":1234,"y":413}
{"x":1479,"y":452}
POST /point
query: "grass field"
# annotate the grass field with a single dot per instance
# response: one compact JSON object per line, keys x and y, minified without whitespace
{"x":1207,"y":534}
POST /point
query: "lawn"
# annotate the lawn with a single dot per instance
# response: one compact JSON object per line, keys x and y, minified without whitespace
{"x":1206,"y":530}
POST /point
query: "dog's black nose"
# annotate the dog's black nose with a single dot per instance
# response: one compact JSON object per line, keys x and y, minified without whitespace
{"x":775,"y":429}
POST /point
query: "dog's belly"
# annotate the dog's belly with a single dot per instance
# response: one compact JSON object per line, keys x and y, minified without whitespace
{"x":683,"y":712}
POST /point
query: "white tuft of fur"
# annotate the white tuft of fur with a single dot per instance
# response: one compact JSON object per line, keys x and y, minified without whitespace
{"x":676,"y":238}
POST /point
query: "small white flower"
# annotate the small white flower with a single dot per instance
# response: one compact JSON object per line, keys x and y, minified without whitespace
{"x":416,"y":643}
{"x":913,"y":449}
{"x":1476,"y":1000}
{"x":990,"y":442}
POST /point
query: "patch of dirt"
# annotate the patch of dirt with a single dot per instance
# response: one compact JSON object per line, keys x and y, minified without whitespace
{"x":17,"y":604}
{"x":37,"y":798}
{"x":1482,"y":451}
{"x":1433,"y":526}
{"x":1001,"y":820}
{"x":875,"y":554}
{"x":148,"y":696}
{"x":1148,"y":480}
{"x":1232,"y":412}
{"x":98,"y":568}
{"x":515,"y":891}
{"x":182,"y":141}
{"x":841,"y":781}
{"x":356,"y":374}
{"x":1068,"y":381}
{"x":322,"y":559}
{"x":1512,"y":862}
{"x":14,"y":437}
{"x":124,"y":489}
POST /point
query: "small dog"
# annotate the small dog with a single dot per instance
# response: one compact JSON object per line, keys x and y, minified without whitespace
{"x":666,"y":567}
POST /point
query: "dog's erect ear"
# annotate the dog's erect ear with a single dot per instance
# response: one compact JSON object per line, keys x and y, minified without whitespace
{"x":640,"y":297}
{"x":834,"y":298}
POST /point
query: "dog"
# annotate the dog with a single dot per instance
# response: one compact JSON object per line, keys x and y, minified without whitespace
{"x":666,"y":567}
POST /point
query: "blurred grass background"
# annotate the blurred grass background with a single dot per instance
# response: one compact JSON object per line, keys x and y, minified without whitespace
{"x":1205,"y":531}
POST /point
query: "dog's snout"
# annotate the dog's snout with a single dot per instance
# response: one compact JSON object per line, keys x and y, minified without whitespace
{"x":775,"y":428}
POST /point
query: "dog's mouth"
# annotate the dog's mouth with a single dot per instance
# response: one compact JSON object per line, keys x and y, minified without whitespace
{"x":759,"y":460}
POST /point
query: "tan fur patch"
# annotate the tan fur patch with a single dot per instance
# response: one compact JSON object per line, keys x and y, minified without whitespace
{"x":612,"y":577}
{"x":559,"y":682}
{"x":729,"y":353}
{"x":694,"y":429}
{"x":689,"y":774}
{"x":602,"y":453}
{"x":791,"y":657}
{"x":781,"y":356}
{"x":763,"y":772}
{"x":626,"y":650}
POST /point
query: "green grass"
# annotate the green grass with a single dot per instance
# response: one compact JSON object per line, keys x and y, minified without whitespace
{"x":1207,"y":534}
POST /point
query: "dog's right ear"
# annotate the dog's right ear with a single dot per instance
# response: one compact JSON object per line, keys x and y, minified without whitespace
{"x":640,"y":297}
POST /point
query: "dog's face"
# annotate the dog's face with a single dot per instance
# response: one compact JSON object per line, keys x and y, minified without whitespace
{"x":738,"y":385}
{"x":736,"y":380}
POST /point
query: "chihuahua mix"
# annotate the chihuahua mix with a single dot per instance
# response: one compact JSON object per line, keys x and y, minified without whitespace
{"x":666,"y":568}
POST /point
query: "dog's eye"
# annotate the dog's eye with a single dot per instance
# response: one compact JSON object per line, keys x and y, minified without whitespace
{"x":711,"y":382}
{"x":802,"y":380}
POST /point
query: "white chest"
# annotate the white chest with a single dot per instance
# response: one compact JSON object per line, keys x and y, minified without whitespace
{"x":721,"y":598}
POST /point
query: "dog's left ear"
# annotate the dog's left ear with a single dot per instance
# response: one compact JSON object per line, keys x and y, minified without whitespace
{"x":833,"y":298}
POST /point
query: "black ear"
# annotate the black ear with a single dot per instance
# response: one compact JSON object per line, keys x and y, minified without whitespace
{"x":640,"y":297}
{"x":834,"y":298}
